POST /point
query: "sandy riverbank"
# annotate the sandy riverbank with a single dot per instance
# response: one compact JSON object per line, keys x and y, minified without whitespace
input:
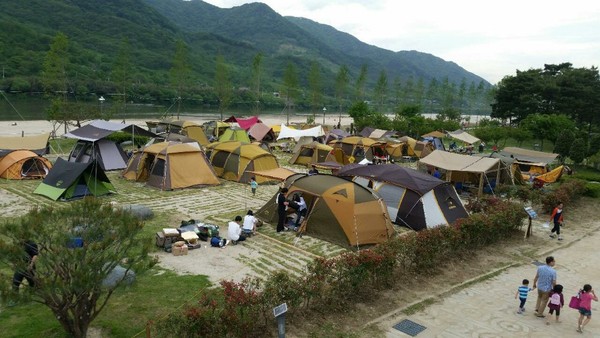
{"x":16,"y":128}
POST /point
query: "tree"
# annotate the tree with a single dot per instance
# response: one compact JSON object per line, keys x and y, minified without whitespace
{"x":578,"y":150}
{"x":290,"y":82}
{"x":562,"y":147}
{"x":314,"y":83}
{"x":547,"y":127}
{"x":256,"y":78}
{"x":121,"y":72}
{"x":381,"y":89}
{"x":341,"y":85}
{"x":180,"y":71}
{"x":69,"y":280}
{"x":222,"y":85}
{"x":54,"y":73}
{"x":363,"y":116}
{"x":361,"y":81}
{"x":519,"y":134}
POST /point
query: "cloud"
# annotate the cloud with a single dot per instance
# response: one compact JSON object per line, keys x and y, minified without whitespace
{"x":490,"y":39}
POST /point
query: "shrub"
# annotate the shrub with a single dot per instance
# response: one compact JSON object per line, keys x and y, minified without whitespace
{"x":565,"y":193}
{"x":592,"y":190}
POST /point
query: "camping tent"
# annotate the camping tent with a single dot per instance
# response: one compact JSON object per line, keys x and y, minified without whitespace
{"x":375,"y":133}
{"x":464,"y":170}
{"x":287,"y":132}
{"x":335,"y":134}
{"x":36,"y":143}
{"x":93,"y":145}
{"x":22,"y":164}
{"x":187,"y":128}
{"x":530,"y":162}
{"x":462,"y":135}
{"x":435,"y":134}
{"x":215,"y":128}
{"x":339,"y":211}
{"x":261,"y":132}
{"x":244,"y":123}
{"x":414,"y":199}
{"x":313,"y":152}
{"x":169,"y":166}
{"x":70,"y":180}
{"x":354,"y":149}
{"x":234,"y":134}
{"x":232,"y":160}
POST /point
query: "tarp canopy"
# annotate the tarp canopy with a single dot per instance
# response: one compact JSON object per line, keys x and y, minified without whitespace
{"x":339,"y":211}
{"x":526,"y":155}
{"x":99,"y":129}
{"x":280,"y":174}
{"x":462,"y":135}
{"x":287,"y":132}
{"x":24,"y":164}
{"x":36,"y":143}
{"x":244,"y":123}
{"x":69,"y":180}
{"x":414,"y":199}
{"x":465,"y":169}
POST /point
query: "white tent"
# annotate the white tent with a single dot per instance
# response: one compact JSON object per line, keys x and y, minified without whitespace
{"x":287,"y":132}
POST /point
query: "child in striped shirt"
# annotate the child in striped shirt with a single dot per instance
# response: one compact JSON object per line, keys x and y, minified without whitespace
{"x":522,"y":293}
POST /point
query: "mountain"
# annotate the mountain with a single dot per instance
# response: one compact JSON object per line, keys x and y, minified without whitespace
{"x":97,"y":32}
{"x":258,"y":24}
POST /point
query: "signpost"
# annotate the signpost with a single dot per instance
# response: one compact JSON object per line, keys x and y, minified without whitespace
{"x":532,"y":214}
{"x":279,"y":313}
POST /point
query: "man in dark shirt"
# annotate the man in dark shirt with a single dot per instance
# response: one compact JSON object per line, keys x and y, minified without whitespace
{"x":30,"y":257}
{"x":281,"y":205}
{"x":313,"y":171}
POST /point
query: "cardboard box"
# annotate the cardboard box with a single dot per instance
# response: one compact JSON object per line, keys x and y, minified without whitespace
{"x":169,"y":232}
{"x":180,"y":250}
{"x":160,"y":239}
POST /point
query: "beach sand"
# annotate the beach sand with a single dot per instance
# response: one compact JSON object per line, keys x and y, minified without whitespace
{"x":34,"y":127}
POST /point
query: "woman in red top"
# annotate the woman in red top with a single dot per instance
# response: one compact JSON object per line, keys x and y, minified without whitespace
{"x":585,"y":306}
{"x":557,"y":219}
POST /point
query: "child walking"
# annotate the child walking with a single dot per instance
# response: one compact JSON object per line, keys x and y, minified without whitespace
{"x":253,"y":185}
{"x":585,"y":306}
{"x":522,"y":293}
{"x":556,"y":302}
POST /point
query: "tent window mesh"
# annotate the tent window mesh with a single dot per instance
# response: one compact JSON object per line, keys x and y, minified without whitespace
{"x":342,"y":192}
{"x":159,"y":168}
{"x":308,"y":152}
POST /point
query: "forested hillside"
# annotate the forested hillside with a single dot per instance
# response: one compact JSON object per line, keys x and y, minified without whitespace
{"x":130,"y":47}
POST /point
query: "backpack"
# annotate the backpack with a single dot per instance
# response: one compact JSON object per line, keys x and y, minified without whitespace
{"x":217,"y":242}
{"x":555,"y":299}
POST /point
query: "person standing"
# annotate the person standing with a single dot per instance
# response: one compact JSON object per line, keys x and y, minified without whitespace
{"x":557,"y":301}
{"x":282,"y":203}
{"x":234,"y":230}
{"x":30,"y":257}
{"x":301,"y":211}
{"x":586,"y":295}
{"x":544,"y":281}
{"x":557,"y":219}
{"x":253,"y":185}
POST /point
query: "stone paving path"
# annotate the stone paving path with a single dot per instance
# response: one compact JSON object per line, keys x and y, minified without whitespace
{"x":488,"y":309}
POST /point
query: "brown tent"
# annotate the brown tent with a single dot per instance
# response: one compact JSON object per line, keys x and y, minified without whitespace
{"x":339,"y":211}
{"x":353,"y":149}
{"x":233,"y":159}
{"x":313,"y":152}
{"x":24,"y":164}
{"x":171,"y":166}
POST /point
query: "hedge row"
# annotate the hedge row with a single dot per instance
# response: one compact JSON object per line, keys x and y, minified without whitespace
{"x":333,"y":285}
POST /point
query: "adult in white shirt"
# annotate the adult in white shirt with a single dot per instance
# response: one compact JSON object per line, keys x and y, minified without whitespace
{"x":234,"y":230}
{"x":301,"y":211}
{"x":249,"y":227}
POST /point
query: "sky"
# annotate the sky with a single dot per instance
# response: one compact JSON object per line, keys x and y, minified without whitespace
{"x":492,"y":39}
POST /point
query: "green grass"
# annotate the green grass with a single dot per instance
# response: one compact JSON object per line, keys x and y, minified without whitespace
{"x":155,"y":294}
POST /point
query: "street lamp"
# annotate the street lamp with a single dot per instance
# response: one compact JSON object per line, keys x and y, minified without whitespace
{"x":101,"y":99}
{"x":324,"y":110}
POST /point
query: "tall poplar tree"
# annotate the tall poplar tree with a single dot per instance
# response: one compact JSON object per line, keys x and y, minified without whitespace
{"x":121,"y":72}
{"x":341,"y":86}
{"x":290,"y":82}
{"x":222,"y":85}
{"x":180,"y":71}
{"x":256,"y":78}
{"x":314,"y":82}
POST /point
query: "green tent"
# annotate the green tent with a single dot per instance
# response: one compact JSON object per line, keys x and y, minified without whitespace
{"x":70,"y":180}
{"x":235,"y":134}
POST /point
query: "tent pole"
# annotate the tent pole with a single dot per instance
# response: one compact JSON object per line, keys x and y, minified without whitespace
{"x":498,"y":174}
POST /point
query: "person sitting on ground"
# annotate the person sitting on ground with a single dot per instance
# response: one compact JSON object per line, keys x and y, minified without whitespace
{"x":313,"y":171}
{"x":437,"y":173}
{"x":249,"y":227}
{"x":30,"y":257}
{"x":234,"y":231}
